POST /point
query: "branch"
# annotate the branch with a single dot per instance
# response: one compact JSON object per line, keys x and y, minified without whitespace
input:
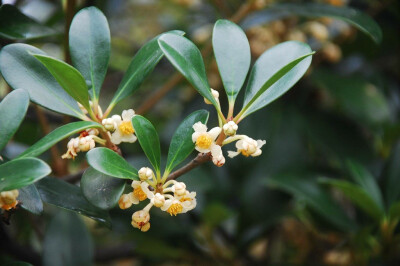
{"x":200,"y":159}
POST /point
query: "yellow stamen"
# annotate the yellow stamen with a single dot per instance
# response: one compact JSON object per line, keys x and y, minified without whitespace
{"x":245,"y":153}
{"x":204,"y":141}
{"x":185,"y":199}
{"x":175,"y":209}
{"x":139,"y":193}
{"x":126,"y":128}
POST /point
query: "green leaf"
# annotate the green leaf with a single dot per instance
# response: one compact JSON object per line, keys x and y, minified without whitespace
{"x":358,"y":196}
{"x":89,"y":44}
{"x":68,"y":77}
{"x":232,"y":53}
{"x":67,"y":241}
{"x":357,"y":18}
{"x":274,"y":73}
{"x":57,"y":135}
{"x":14,"y":25}
{"x":392,"y":176}
{"x":367,"y":181}
{"x":12,"y":111}
{"x":186,"y":58}
{"x":67,"y":196}
{"x":140,"y":67}
{"x":394,"y":210}
{"x":22,"y":172}
{"x":30,"y":199}
{"x":101,"y":190}
{"x":181,"y":145}
{"x":148,"y":139}
{"x":22,"y":70}
{"x":304,"y":186}
{"x":110,"y":163}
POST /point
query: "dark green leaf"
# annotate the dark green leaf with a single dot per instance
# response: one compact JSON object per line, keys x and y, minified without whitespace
{"x":232,"y":52}
{"x":358,"y":19}
{"x":22,"y":70}
{"x":186,"y":58}
{"x":110,"y":163}
{"x":148,"y":139}
{"x":16,"y":26}
{"x":181,"y":144}
{"x":68,"y":77}
{"x":67,"y":241}
{"x":67,"y":196}
{"x":101,"y":190}
{"x":140,"y":67}
{"x":274,"y":73}
{"x":30,"y":199}
{"x":358,"y":196}
{"x":392,"y":176}
{"x":22,"y":172}
{"x":12,"y":111}
{"x":57,"y":135}
{"x":89,"y":43}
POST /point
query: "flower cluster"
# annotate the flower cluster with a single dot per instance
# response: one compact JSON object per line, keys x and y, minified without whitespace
{"x":85,"y":142}
{"x":171,"y":197}
{"x":8,"y":199}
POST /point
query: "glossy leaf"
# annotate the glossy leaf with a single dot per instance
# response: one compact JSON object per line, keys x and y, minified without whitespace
{"x":110,"y":163}
{"x":392,"y":175}
{"x":68,"y":77}
{"x":357,"y":18}
{"x":101,"y":190}
{"x":14,"y":25}
{"x":89,"y":44}
{"x":232,"y":53}
{"x":148,"y":139}
{"x":57,"y":135}
{"x":186,"y":58}
{"x":181,"y":144}
{"x":12,"y":111}
{"x":274,"y":73}
{"x":22,"y":70}
{"x":67,"y":196}
{"x":358,"y":196}
{"x":22,"y":172}
{"x":140,"y":67}
{"x":67,"y":241}
{"x":30,"y":199}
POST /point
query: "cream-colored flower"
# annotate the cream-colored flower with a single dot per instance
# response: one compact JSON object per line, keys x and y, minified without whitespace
{"x":248,"y":147}
{"x":158,"y":200}
{"x":205,"y":141}
{"x":140,"y":219}
{"x":217,"y":157}
{"x":230,"y":128}
{"x":215,"y":94}
{"x":179,"y":189}
{"x":145,"y":173}
{"x":109,"y":124}
{"x":8,"y":199}
{"x":73,"y":149}
{"x":176,"y":205}
{"x":140,"y":191}
{"x":86,"y":143}
{"x":125,"y":201}
{"x":124,"y":131}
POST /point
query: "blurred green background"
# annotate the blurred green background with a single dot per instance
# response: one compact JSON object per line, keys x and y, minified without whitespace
{"x":341,"y":120}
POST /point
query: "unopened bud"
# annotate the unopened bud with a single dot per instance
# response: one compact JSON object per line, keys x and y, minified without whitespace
{"x":215,"y":94}
{"x":230,"y":128}
{"x":180,"y":189}
{"x":86,"y":143}
{"x":141,"y":217}
{"x":109,"y":124}
{"x":159,"y":200}
{"x":125,"y":201}
{"x":219,"y":160}
{"x":145,"y":173}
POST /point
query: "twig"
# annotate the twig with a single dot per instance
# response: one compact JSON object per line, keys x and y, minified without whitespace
{"x":200,"y":159}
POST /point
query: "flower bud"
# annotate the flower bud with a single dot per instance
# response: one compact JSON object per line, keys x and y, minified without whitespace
{"x":180,"y":189}
{"x":318,"y":30}
{"x":9,"y":197}
{"x":125,"y":201}
{"x":215,"y":95}
{"x":219,"y":160}
{"x":145,"y":227}
{"x":86,"y":143}
{"x":145,"y":173}
{"x":92,"y":131}
{"x":230,"y":128}
{"x":158,"y":200}
{"x":141,"y":217}
{"x":109,"y":124}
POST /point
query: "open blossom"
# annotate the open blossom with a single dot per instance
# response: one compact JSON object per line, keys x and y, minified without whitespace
{"x":215,"y":94}
{"x":8,"y":199}
{"x":180,"y":204}
{"x":205,"y":141}
{"x":247,"y":147}
{"x":124,"y":131}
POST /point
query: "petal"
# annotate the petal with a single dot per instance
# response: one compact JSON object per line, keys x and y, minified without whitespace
{"x":202,"y":150}
{"x":117,"y":119}
{"x":257,"y":153}
{"x":239,"y":145}
{"x":260,"y":143}
{"x":128,"y":138}
{"x":216,"y":150}
{"x":128,"y":114}
{"x":214,"y":132}
{"x":200,"y":127}
{"x":232,"y":154}
{"x":195,"y":136}
{"x":116,"y":137}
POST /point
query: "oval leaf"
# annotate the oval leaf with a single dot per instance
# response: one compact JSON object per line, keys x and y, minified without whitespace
{"x":148,"y":139}
{"x":110,"y":163}
{"x":101,"y":190}
{"x":30,"y":199}
{"x":140,"y":67}
{"x":22,"y":172}
{"x":186,"y":58}
{"x":181,"y":144}
{"x":232,"y":53}
{"x":12,"y":111}
{"x":89,"y":44}
{"x":274,"y":73}
{"x":57,"y":135}
{"x":22,"y":70}
{"x":357,"y":18}
{"x":68,"y":77}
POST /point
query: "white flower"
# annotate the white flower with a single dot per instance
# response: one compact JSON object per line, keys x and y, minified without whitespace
{"x":109,"y":124}
{"x":124,"y":131}
{"x":158,"y":200}
{"x":215,"y":94}
{"x":140,"y":219}
{"x":8,"y":199}
{"x":125,"y":201}
{"x":86,"y":143}
{"x":140,"y":191}
{"x":73,"y":149}
{"x":176,"y":205}
{"x":230,"y":128}
{"x":179,"y":188}
{"x":205,"y":141}
{"x":247,"y":146}
{"x":217,"y":156}
{"x":145,"y":173}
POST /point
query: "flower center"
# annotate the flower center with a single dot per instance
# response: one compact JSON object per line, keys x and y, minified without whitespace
{"x":204,"y":141}
{"x":126,"y":128}
{"x":138,"y":192}
{"x":185,"y":199}
{"x":245,"y":153}
{"x":175,"y":209}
